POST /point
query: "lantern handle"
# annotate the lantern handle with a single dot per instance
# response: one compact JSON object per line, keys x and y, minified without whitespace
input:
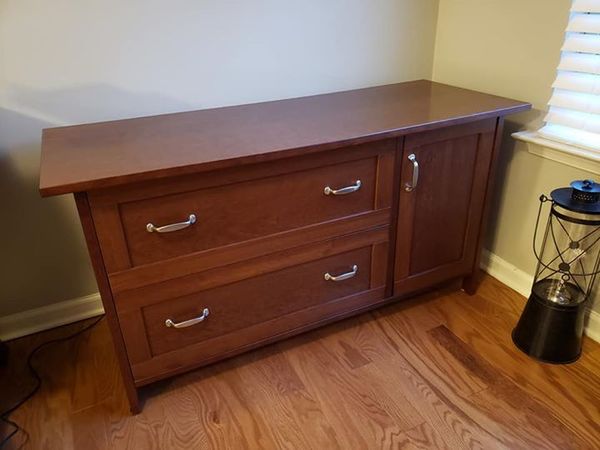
{"x":543,"y":199}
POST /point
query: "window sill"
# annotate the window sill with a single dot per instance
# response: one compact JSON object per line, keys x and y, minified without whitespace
{"x":562,"y":153}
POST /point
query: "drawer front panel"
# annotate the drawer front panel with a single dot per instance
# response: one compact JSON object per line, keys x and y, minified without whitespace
{"x":244,"y":211}
{"x":245,"y":303}
{"x":154,"y":223}
{"x":248,"y":310}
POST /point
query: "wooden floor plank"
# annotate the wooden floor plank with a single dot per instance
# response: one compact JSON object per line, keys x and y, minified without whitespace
{"x":89,"y":428}
{"x":403,"y":381}
{"x":439,"y":371}
{"x":225,"y":411}
{"x":278,"y":380}
{"x":462,"y":418}
{"x":420,"y":437}
{"x":360,"y":420}
{"x":336,"y":345}
{"x":571,"y":391}
{"x":535,"y":424}
{"x":413,"y":324}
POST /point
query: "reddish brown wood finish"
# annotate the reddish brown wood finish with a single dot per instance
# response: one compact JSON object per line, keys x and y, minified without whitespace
{"x":254,"y":176}
{"x":86,"y":157}
{"x":112,"y":319}
{"x":241,"y":212}
{"x":231,"y":254}
{"x":439,"y":221}
{"x":471,"y":281}
{"x":290,"y":199}
{"x":249,"y":302}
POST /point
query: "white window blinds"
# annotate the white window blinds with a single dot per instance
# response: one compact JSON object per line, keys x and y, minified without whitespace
{"x":574,"y":108}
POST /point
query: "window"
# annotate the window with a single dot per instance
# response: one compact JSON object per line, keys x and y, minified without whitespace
{"x":571,"y":130}
{"x":574,"y":108}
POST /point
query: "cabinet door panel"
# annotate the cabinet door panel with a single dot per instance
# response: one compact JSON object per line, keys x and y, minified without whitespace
{"x":439,"y":220}
{"x":443,"y":197}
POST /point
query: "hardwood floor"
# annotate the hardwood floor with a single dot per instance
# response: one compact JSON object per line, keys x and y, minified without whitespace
{"x":439,"y":371}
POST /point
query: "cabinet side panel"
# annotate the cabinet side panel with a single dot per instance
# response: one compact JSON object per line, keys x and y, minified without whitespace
{"x":89,"y":231}
{"x":111,"y":237}
{"x":471,"y":282}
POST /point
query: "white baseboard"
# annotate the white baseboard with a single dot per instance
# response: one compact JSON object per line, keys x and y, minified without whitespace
{"x":521,"y":282}
{"x":592,"y":327}
{"x":505,"y":272}
{"x":46,"y":317}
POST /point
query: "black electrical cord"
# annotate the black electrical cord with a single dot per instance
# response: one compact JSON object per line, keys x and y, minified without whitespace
{"x":5,"y":415}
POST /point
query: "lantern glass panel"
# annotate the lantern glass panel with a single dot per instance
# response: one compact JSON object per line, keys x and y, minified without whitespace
{"x":569,"y":257}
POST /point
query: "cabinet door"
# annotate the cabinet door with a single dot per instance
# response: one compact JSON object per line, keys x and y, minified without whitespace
{"x":439,"y":220}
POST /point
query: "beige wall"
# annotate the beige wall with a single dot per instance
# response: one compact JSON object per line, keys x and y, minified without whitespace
{"x":65,"y":62}
{"x":509,"y":48}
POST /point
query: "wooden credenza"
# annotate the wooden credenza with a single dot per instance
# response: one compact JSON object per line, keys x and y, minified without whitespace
{"x":216,"y":231}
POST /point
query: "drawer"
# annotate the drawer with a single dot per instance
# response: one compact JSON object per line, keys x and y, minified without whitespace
{"x":247,"y":210}
{"x":169,"y":330}
{"x":241,"y":206}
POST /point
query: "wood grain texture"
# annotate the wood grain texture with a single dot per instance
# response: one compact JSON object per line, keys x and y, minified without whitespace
{"x":250,"y":303}
{"x":471,"y":282}
{"x":439,"y":221}
{"x":238,"y":253}
{"x":437,"y":371}
{"x":254,"y":177}
{"x":89,"y":231}
{"x":229,"y":219}
{"x":92,"y":156}
{"x":246,"y":303}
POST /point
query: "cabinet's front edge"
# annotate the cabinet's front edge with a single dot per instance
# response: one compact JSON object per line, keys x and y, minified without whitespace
{"x":49,"y":189}
{"x":394,"y":217}
{"x":89,"y":230}
{"x":471,"y":282}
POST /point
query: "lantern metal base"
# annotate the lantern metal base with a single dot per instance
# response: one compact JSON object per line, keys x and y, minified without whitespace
{"x":550,"y":332}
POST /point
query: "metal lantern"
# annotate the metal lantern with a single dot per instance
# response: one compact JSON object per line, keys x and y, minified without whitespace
{"x":551,"y":326}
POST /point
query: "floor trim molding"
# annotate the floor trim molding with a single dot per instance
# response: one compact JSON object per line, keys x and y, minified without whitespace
{"x":505,"y":272}
{"x":521,"y":281}
{"x":46,"y":317}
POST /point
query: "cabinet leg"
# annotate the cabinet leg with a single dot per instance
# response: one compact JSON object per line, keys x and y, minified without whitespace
{"x":134,"y":400}
{"x":471,"y":283}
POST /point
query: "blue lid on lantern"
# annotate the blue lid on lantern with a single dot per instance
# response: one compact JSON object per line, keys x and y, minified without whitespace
{"x":551,"y":326}
{"x":583,"y":197}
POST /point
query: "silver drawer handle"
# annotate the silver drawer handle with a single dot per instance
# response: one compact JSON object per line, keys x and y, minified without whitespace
{"x":343,"y":191}
{"x":409,"y":187}
{"x":188,"y":323}
{"x":343,"y":276}
{"x":172,"y":227}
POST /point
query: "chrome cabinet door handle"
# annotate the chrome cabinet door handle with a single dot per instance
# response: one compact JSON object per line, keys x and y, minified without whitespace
{"x":343,"y":276}
{"x":409,"y":187}
{"x":188,"y":323}
{"x":343,"y":191}
{"x":171,"y":227}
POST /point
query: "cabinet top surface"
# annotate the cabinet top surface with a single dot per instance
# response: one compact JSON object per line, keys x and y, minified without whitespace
{"x":91,"y":156}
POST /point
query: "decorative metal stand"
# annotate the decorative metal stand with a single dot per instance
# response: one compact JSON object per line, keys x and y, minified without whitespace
{"x":551,"y":326}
